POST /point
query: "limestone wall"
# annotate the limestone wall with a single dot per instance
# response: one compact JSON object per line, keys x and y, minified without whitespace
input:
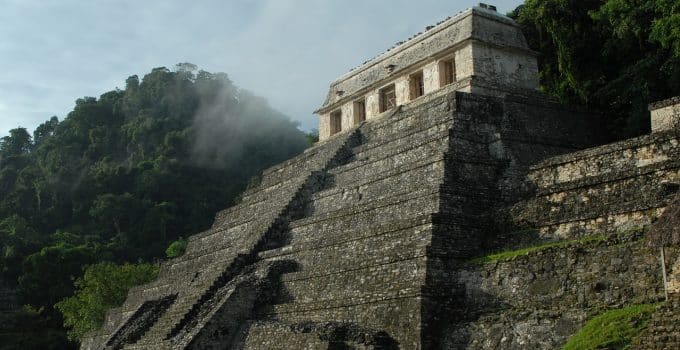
{"x":504,"y":67}
{"x":673,"y":271}
{"x":614,"y":187}
{"x":665,"y":114}
{"x":539,"y":300}
{"x":478,"y":24}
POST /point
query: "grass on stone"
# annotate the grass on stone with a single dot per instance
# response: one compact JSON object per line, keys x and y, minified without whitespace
{"x":614,"y":329}
{"x":507,"y":255}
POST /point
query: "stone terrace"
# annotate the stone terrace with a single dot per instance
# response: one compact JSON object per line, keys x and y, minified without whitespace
{"x":619,"y":186}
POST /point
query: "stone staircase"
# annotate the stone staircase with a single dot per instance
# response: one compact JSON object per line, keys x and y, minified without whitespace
{"x":373,"y":221}
{"x":214,"y":258}
{"x":664,"y":329}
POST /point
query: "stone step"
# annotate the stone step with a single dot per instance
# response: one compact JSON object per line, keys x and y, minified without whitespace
{"x":186,"y":302}
{"x":664,"y":328}
{"x":375,"y":167}
{"x":324,"y":159}
{"x":274,"y":335}
{"x":366,"y":215}
{"x":320,"y":150}
{"x":414,"y":225}
{"x":670,"y":166}
{"x":329,"y":335}
{"x":235,"y":236}
{"x":357,"y":249}
{"x":388,"y":313}
{"x":413,"y":138}
{"x":158,"y":345}
{"x":394,"y":279}
{"x":407,"y":119}
{"x":224,"y":235}
{"x":365,"y":172}
{"x":243,"y":213}
{"x":423,"y":177}
{"x":156,"y":332}
{"x":266,"y":213}
{"x":274,"y":192}
{"x":289,"y":172}
{"x":204,"y":267}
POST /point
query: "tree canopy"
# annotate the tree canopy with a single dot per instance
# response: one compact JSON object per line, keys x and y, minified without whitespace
{"x":614,"y":56}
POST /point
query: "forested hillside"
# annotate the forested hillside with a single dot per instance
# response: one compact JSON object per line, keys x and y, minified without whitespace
{"x":121,"y":177}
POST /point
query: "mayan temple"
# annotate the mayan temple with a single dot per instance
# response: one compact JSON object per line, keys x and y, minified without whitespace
{"x":436,"y":152}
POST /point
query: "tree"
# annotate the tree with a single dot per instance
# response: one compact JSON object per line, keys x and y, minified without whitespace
{"x":17,"y":143}
{"x":45,"y":130}
{"x":176,"y":248}
{"x":103,"y":286}
{"x":47,"y":276}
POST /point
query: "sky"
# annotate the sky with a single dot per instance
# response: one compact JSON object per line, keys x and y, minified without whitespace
{"x":288,"y":51}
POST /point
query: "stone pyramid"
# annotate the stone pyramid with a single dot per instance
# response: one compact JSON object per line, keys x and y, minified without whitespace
{"x":364,"y":241}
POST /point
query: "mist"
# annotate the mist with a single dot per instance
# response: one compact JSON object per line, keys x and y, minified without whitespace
{"x":233,"y":124}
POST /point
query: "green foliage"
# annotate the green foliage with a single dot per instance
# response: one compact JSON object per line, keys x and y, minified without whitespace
{"x":48,"y":275}
{"x":614,"y":329}
{"x":27,"y":329}
{"x":312,"y":136}
{"x":125,"y":174}
{"x":507,"y":255}
{"x":614,"y":56}
{"x":104,"y":286}
{"x":16,"y":144}
{"x":176,"y":248}
{"x":18,"y":241}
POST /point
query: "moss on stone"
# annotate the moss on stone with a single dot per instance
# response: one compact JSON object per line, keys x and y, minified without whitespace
{"x":613,"y":329}
{"x":507,"y":255}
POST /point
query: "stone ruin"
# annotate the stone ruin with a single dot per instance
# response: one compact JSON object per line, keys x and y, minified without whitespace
{"x":478,"y":51}
{"x":434,"y":153}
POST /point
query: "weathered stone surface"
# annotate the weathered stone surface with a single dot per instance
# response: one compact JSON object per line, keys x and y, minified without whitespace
{"x":478,"y":50}
{"x":665,"y":114}
{"x":664,"y":330}
{"x":619,"y":186}
{"x":539,"y":300}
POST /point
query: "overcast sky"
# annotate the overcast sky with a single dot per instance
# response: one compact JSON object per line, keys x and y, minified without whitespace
{"x":288,"y":51}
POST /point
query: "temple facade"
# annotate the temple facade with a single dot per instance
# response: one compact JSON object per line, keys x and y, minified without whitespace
{"x":479,"y":51}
